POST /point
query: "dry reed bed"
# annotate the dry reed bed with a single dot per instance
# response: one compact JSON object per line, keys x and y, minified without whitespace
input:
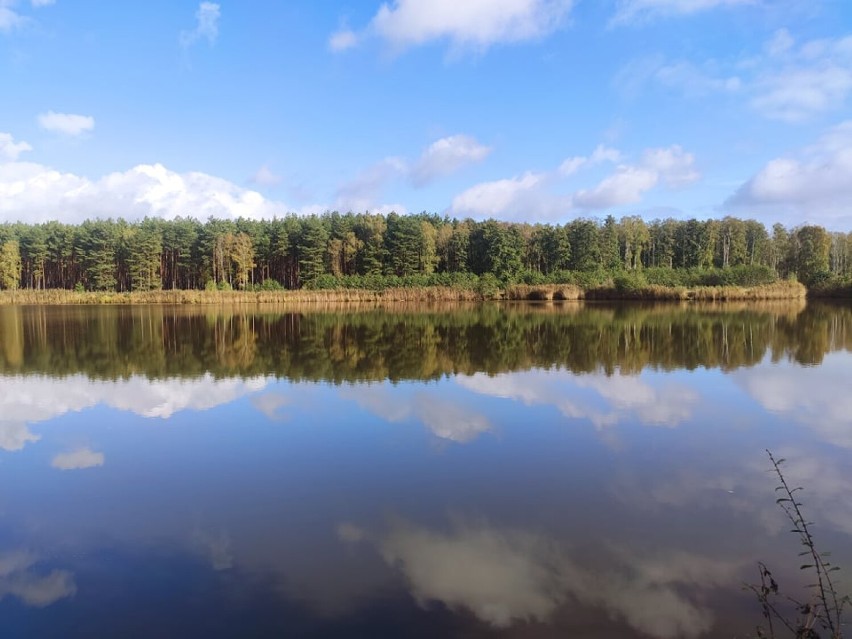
{"x":567,"y":292}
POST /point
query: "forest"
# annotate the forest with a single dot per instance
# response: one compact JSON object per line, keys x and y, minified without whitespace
{"x":376,"y":251}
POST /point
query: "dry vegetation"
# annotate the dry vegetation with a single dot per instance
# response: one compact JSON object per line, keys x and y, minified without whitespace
{"x":545,"y":292}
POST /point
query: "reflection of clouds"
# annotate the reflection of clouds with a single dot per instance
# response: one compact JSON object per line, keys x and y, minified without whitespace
{"x":217,"y":547}
{"x":34,"y":399}
{"x":78,"y":459}
{"x":623,"y":395}
{"x":18,"y":579}
{"x":15,"y":435}
{"x":503,"y":576}
{"x":818,"y":397}
{"x":270,"y":404}
{"x":444,"y":418}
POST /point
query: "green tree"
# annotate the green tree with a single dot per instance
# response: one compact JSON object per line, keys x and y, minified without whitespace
{"x":10,"y":265}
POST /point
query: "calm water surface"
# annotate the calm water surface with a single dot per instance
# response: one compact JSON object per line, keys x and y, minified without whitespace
{"x":493,"y":471}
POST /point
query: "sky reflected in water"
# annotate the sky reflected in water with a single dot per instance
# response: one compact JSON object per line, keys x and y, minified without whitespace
{"x":503,"y":471}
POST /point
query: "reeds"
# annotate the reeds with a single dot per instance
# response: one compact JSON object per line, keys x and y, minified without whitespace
{"x":544,"y":292}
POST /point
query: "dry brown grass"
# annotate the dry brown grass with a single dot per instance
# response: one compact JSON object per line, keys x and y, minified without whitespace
{"x":551,"y":292}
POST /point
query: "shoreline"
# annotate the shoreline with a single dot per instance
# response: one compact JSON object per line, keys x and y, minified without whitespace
{"x":784,"y":290}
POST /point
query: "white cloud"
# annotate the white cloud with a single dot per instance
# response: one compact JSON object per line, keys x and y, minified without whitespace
{"x":270,"y":404}
{"x":630,"y":11}
{"x":516,"y":196}
{"x":37,"y":193}
{"x":613,"y":398}
{"x":600,"y":155}
{"x":78,"y":459}
{"x":342,"y":40}
{"x":31,"y":399}
{"x":66,"y":123}
{"x":535,"y":196}
{"x":10,"y":18}
{"x":264,"y":176}
{"x":19,"y":580}
{"x":512,"y":576}
{"x":795,"y":83}
{"x":783,"y":82}
{"x":472,"y":24}
{"x":15,"y":435}
{"x":9,"y":149}
{"x":206,"y":25}
{"x":441,"y":158}
{"x":446,"y":156}
{"x":814,"y":184}
{"x":672,"y":166}
{"x":507,"y":576}
{"x":444,"y":418}
{"x":817,"y":397}
{"x":625,"y":186}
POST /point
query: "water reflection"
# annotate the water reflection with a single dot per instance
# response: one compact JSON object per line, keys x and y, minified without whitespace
{"x":397,"y":343}
{"x":504,"y":576}
{"x":523,"y":471}
{"x":21,"y":578}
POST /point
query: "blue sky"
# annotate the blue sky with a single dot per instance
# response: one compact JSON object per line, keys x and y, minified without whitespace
{"x":534,"y":110}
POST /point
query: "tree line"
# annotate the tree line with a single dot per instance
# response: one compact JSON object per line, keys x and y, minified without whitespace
{"x":335,"y":249}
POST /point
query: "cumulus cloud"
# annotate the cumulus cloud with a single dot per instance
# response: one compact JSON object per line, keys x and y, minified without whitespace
{"x":814,"y":183}
{"x":535,"y":195}
{"x":816,"y":397}
{"x":78,"y":459}
{"x":603,"y":400}
{"x":38,"y":193}
{"x":206,"y":26}
{"x":473,"y":24}
{"x":516,"y":196}
{"x":32,"y":399}
{"x":446,"y":156}
{"x":9,"y":149}
{"x":446,"y":419}
{"x":632,"y":11}
{"x":70,"y":124}
{"x":15,"y":435}
{"x":513,"y":575}
{"x":19,"y":579}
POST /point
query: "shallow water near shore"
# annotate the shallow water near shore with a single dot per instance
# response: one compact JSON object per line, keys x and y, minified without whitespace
{"x":492,"y":470}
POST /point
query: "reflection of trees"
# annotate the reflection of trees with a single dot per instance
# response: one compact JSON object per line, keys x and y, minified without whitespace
{"x":396,"y":343}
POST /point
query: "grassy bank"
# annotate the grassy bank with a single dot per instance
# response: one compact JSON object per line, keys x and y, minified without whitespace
{"x":543,"y":292}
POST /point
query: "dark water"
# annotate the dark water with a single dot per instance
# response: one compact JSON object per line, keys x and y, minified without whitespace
{"x":497,"y":471}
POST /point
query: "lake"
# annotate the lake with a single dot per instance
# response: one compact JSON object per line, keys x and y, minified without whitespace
{"x":552,"y":470}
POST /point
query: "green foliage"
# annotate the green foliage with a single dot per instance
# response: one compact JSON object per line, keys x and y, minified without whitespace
{"x":361,"y":250}
{"x":10,"y":265}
